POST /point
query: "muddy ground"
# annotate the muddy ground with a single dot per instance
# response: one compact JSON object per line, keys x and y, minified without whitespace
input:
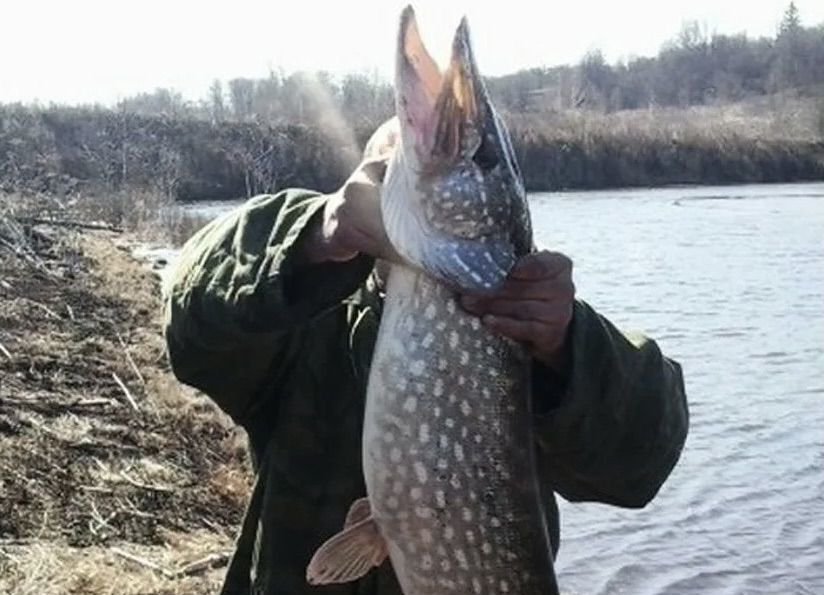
{"x":114,"y":478}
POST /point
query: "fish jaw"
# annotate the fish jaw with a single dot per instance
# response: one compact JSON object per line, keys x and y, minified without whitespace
{"x":453,"y":201}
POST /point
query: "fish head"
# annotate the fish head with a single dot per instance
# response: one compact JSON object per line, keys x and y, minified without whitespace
{"x":453,"y":199}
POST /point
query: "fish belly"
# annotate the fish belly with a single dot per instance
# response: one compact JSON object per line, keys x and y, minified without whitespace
{"x":448,"y":450}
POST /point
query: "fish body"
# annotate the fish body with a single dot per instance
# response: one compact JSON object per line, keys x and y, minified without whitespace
{"x":448,"y":451}
{"x":447,"y":445}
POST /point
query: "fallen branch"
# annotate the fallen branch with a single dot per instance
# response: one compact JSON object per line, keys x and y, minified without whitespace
{"x":99,"y":520}
{"x":16,"y":241}
{"x":69,"y":223}
{"x":43,"y":307}
{"x":89,"y":402}
{"x":36,"y":424}
{"x":126,"y":392}
{"x":53,"y":407}
{"x":213,"y":526}
{"x":129,"y":507}
{"x":207,"y":563}
{"x":129,"y":359}
{"x":10,"y":246}
{"x":217,"y":560}
{"x":143,"y":562}
{"x":5,"y":352}
{"x":99,"y":489}
{"x":144,"y":486}
{"x":101,"y":446}
{"x":16,"y":541}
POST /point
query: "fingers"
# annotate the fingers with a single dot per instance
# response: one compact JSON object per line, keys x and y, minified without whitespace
{"x":370,"y":172}
{"x":539,"y":323}
{"x":548,"y":289}
{"x":541,"y":265}
{"x":359,"y":193}
{"x":384,"y":140}
{"x":365,"y":182}
{"x":519,"y":330}
{"x":374,"y":169}
{"x":361,"y":223}
{"x":541,"y":310}
{"x":542,"y":336}
{"x":539,"y":276}
{"x":534,"y":305}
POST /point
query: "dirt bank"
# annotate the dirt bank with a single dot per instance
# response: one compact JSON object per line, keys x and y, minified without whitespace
{"x":107,"y":465}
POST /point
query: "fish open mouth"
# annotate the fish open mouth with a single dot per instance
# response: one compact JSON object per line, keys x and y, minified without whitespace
{"x":443,"y":112}
{"x":468,"y":189}
{"x":459,"y":214}
{"x":460,"y":106}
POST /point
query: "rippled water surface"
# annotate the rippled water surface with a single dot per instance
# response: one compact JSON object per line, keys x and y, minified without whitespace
{"x":730,"y":281}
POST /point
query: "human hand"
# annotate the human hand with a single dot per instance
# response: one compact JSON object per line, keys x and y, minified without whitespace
{"x":533,"y":306}
{"x":352,"y":222}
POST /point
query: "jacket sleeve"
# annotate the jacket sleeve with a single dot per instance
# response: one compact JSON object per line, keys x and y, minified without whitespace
{"x":620,"y":419}
{"x":238,"y":294}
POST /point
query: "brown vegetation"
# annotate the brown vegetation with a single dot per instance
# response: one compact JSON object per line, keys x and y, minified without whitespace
{"x":113,"y":477}
{"x":65,"y":151}
{"x":115,"y":156}
{"x":774,"y":139}
{"x":709,"y":108}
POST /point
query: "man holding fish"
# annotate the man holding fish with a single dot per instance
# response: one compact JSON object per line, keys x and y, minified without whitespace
{"x":431,"y":418}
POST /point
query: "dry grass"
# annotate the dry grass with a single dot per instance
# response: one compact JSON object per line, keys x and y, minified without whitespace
{"x":771,"y":118}
{"x":66,"y":151}
{"x":147,"y":215}
{"x":85,"y":469}
{"x":53,"y":568}
{"x":748,"y":142}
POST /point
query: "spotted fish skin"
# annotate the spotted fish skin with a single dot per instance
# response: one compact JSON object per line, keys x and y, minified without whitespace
{"x":448,"y":449}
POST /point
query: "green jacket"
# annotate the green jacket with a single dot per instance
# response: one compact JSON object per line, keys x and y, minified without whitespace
{"x":285,"y":349}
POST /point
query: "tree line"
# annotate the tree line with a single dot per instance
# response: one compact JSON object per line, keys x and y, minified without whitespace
{"x":572,"y":126}
{"x":695,"y":68}
{"x":699,"y":68}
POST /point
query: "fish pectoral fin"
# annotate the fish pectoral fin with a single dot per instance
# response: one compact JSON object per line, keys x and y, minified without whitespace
{"x":349,"y":555}
{"x":359,"y":510}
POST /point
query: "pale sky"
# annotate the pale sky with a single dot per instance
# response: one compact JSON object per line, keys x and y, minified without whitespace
{"x":74,"y":51}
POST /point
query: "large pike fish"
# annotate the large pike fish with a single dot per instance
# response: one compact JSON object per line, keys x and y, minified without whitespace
{"x":453,"y":497}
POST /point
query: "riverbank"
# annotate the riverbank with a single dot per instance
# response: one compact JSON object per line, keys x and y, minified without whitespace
{"x":67,"y":151}
{"x":113,"y":476}
{"x":746,"y":143}
{"x":171,"y":479}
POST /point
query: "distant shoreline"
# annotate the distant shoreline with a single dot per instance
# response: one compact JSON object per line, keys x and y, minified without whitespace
{"x":88,"y":151}
{"x":623,"y":189}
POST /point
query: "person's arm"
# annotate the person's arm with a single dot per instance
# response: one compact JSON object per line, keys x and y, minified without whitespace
{"x":612,"y":427}
{"x":243,"y":285}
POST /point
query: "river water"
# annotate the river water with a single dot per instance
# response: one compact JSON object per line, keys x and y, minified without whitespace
{"x":730,"y":282}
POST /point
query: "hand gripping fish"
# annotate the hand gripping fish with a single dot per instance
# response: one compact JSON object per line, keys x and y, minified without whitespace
{"x":453,"y":497}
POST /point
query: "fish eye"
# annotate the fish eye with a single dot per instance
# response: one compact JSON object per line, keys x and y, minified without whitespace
{"x":485,"y":157}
